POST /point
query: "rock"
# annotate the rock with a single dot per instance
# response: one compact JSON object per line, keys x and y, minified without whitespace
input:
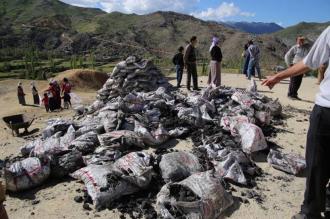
{"x":87,"y":207}
{"x":34,"y":202}
{"x":78,"y":199}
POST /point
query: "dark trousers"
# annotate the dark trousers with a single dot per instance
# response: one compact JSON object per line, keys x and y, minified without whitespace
{"x":179,"y":72}
{"x":192,"y":73}
{"x":52,"y":104}
{"x":36,"y":99}
{"x":294,"y":86}
{"x":246,"y":66}
{"x":318,"y":162}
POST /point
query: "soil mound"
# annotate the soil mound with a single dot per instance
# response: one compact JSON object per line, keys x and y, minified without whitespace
{"x":83,"y":79}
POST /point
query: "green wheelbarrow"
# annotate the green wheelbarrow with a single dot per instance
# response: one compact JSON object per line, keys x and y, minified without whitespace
{"x":16,"y":122}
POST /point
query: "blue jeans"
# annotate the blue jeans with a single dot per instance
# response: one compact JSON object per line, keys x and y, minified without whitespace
{"x":246,"y":65}
{"x":253,"y":64}
{"x":179,"y":72}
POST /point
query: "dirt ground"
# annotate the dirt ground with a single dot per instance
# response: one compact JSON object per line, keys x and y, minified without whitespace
{"x":282,"y":193}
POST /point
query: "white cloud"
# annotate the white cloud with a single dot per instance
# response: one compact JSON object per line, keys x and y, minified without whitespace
{"x":224,"y":10}
{"x":279,"y":23}
{"x":137,"y":6}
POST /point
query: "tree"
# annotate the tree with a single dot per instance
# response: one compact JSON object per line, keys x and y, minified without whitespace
{"x":81,"y":62}
{"x":30,"y":62}
{"x":51,"y":62}
{"x":92,"y":60}
{"x":73,"y":62}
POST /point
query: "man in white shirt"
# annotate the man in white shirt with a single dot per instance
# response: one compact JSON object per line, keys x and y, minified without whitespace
{"x":293,"y":56}
{"x":318,"y":137}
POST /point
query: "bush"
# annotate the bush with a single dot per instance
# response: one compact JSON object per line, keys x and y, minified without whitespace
{"x":5,"y":67}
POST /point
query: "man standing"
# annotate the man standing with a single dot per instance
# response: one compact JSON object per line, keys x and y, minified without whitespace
{"x":179,"y":65}
{"x":190,"y":63}
{"x":318,"y":137}
{"x":293,"y":56}
{"x":254,"y":53}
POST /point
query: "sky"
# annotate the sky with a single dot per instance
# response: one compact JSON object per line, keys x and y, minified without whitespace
{"x":283,"y":12}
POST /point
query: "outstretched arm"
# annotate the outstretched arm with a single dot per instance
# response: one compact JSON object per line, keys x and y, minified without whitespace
{"x":297,"y":69}
{"x":319,"y":53}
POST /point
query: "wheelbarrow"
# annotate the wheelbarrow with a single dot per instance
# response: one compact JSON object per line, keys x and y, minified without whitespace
{"x":16,"y":122}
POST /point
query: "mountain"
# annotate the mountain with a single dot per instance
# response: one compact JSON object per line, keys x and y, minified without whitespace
{"x":53,"y":26}
{"x":254,"y":27}
{"x":309,"y":30}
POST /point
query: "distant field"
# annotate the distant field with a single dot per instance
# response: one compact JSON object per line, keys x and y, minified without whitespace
{"x":18,"y":68}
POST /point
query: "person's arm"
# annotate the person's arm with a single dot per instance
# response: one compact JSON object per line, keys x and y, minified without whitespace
{"x":297,"y":69}
{"x":319,"y":53}
{"x":174,"y":59}
{"x":288,"y":57}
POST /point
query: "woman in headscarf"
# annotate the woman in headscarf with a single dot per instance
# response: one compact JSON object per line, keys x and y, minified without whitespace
{"x":20,"y":94}
{"x":215,"y":64}
{"x":36,"y":99}
{"x":51,"y":97}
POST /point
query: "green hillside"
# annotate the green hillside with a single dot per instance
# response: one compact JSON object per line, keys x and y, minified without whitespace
{"x":309,"y":30}
{"x":40,"y":30}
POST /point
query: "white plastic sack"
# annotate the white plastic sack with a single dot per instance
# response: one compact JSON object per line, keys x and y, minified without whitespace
{"x":26,"y":174}
{"x":243,"y":98}
{"x":176,"y":166}
{"x":229,"y":123}
{"x":263,"y":117}
{"x":289,"y":163}
{"x":274,"y":107}
{"x":49,"y":146}
{"x":252,"y":87}
{"x":95,"y":106}
{"x":54,"y":126}
{"x":29,"y":147}
{"x":85,"y":143}
{"x":136,"y":167}
{"x":55,"y":144}
{"x":160,"y":134}
{"x":69,"y":136}
{"x":229,"y":168}
{"x":122,"y":137}
{"x":95,"y":178}
{"x":213,"y":198}
{"x":143,"y":132}
{"x":178,"y":132}
{"x":75,"y":99}
{"x":101,"y":156}
{"x":252,"y":138}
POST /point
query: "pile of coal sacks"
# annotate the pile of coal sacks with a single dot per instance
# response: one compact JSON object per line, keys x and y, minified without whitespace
{"x":137,"y":109}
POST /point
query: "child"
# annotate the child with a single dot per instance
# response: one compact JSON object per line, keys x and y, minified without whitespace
{"x":66,"y":90}
{"x":45,"y":101}
{"x":179,"y":65}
